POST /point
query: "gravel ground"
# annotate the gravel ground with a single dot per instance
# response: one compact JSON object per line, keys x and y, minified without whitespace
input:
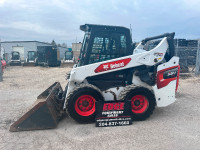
{"x":174,"y":127}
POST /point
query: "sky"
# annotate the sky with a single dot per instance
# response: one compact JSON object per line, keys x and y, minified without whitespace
{"x":59,"y":20}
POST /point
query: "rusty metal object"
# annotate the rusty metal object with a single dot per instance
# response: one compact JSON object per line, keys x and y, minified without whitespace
{"x":45,"y":113}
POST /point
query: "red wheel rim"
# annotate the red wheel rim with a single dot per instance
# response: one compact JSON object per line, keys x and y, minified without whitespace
{"x":139,"y":104}
{"x":85,"y":105}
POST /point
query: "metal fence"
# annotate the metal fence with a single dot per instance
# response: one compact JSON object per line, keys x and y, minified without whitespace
{"x":197,"y":69}
{"x":187,"y":50}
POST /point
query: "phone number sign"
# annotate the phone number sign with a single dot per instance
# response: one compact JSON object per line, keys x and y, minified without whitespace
{"x":113,"y":113}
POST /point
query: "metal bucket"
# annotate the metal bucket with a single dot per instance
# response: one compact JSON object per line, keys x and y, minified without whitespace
{"x":45,"y":113}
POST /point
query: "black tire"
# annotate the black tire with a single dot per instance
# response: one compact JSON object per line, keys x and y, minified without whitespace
{"x":147,"y":105}
{"x":74,"y":98}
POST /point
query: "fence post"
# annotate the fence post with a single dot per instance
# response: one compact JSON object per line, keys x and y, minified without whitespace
{"x":177,"y":47}
{"x":197,"y":70}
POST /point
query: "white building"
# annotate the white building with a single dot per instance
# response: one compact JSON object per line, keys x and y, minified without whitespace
{"x":76,"y":47}
{"x":24,"y":46}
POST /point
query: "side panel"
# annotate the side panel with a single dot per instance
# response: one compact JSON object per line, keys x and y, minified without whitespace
{"x":167,"y":78}
{"x":146,"y":58}
{"x":166,"y":95}
{"x":41,"y":54}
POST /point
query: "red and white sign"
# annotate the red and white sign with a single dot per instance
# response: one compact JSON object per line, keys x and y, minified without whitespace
{"x":113,"y":106}
{"x":112,"y":65}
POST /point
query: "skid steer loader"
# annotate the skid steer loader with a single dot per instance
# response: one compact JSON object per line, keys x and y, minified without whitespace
{"x":68,"y":60}
{"x":110,"y":68}
{"x":31,"y":59}
{"x":15,"y":59}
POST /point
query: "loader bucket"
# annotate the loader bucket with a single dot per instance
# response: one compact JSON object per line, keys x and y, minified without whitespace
{"x":67,"y":65}
{"x":45,"y":112}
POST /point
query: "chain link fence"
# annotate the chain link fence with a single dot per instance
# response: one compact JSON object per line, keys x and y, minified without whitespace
{"x":186,"y":50}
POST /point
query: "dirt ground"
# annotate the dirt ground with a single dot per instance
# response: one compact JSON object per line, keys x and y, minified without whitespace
{"x":174,"y":127}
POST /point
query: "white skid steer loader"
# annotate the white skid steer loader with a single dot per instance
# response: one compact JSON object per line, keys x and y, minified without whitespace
{"x":110,"y":68}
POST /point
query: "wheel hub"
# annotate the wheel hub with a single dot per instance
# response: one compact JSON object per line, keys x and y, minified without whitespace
{"x":85,"y":103}
{"x":136,"y":102}
{"x":139,"y":104}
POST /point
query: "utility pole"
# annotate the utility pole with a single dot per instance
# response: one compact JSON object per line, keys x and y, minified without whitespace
{"x":1,"y":72}
{"x":197,"y":70}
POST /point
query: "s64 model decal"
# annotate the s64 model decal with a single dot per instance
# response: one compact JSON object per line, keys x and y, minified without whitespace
{"x":165,"y":76}
{"x":170,"y":73}
{"x":112,"y":65}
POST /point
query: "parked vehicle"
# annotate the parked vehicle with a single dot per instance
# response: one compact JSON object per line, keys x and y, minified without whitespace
{"x":48,"y":56}
{"x":31,"y":59}
{"x":110,"y":68}
{"x":69,"y":59}
{"x":15,"y":59}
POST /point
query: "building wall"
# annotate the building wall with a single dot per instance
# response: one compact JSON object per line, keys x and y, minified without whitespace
{"x":42,"y":44}
{"x":62,"y":51}
{"x":76,"y":47}
{"x":7,"y":47}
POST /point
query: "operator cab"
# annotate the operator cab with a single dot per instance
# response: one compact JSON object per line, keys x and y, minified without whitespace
{"x":68,"y":55}
{"x":15,"y":55}
{"x":31,"y":56}
{"x":103,"y":43}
